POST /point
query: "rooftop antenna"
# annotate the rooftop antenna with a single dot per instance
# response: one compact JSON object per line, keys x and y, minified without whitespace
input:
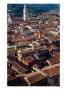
{"x":24,"y":13}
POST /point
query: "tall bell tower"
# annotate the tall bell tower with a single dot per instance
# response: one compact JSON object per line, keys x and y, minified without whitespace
{"x":24,"y":13}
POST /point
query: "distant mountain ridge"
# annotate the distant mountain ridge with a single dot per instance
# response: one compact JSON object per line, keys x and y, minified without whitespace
{"x":17,"y":9}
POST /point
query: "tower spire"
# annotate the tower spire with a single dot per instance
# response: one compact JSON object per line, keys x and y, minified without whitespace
{"x":9,"y":19}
